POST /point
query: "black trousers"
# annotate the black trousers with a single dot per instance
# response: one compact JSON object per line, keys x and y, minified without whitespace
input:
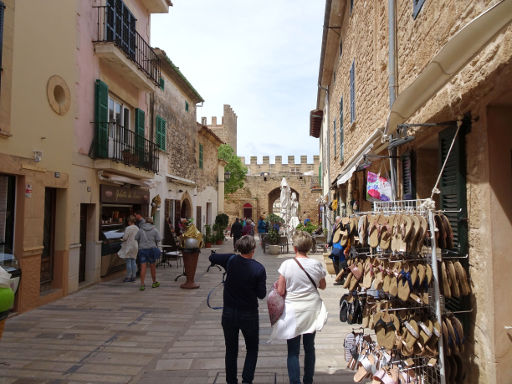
{"x":233,"y":321}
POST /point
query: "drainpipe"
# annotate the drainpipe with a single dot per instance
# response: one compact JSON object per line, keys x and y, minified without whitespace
{"x":393,"y":87}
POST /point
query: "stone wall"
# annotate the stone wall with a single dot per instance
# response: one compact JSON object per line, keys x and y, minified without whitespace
{"x":206,"y":176}
{"x":261,"y":190}
{"x":364,"y":44}
{"x":292,"y":168}
{"x":227,"y":129}
{"x":181,"y":129}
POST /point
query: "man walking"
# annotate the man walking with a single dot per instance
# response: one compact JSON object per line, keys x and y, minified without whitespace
{"x":236,"y":232}
{"x":245,"y":284}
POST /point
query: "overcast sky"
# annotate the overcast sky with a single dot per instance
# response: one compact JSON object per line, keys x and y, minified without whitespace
{"x":259,"y":56}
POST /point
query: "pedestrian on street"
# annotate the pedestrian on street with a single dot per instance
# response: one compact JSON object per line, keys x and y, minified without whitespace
{"x":139,"y":220}
{"x":148,"y":238}
{"x":337,"y":253}
{"x":245,"y":284}
{"x":304,"y":311}
{"x":262,"y":226}
{"x":236,"y":232}
{"x":129,"y":249}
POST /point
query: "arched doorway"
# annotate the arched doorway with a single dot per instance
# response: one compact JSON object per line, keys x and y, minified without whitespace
{"x":186,"y":209}
{"x":274,"y":203}
{"x":247,"y":210}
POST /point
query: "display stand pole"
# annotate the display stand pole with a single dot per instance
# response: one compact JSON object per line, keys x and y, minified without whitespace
{"x":437,"y":295}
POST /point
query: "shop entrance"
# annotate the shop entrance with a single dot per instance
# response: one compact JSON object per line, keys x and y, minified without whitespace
{"x":7,"y":199}
{"x":84,"y":234}
{"x":47,"y":256}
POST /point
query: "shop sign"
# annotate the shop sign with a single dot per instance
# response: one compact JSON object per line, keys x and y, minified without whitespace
{"x":28,"y":190}
{"x":123,"y":195}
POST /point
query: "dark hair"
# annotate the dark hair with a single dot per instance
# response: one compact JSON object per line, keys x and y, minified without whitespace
{"x":246,"y":244}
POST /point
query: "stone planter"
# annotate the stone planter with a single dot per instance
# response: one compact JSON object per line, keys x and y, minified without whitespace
{"x":274,"y":249}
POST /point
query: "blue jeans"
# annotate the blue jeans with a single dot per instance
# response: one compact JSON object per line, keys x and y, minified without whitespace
{"x":309,"y":358}
{"x":233,"y":321}
{"x":131,"y":268}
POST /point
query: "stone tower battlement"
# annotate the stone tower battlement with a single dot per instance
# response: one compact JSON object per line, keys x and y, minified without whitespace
{"x":278,"y":168}
{"x":226,"y":130}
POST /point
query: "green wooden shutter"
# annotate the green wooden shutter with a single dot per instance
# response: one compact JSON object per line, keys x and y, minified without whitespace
{"x":353,"y":92}
{"x":408,"y":176}
{"x":201,"y":156}
{"x":453,"y":197}
{"x":341,"y":130}
{"x":139,"y":134}
{"x":160,"y":133}
{"x":101,"y":119}
{"x":162,"y":83}
{"x":334,"y":136}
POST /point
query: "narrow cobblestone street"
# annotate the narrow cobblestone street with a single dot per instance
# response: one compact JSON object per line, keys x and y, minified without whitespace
{"x":113,"y":333}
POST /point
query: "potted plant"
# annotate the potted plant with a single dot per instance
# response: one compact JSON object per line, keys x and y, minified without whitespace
{"x":208,"y":236}
{"x":272,"y":239}
{"x":219,"y":234}
{"x":274,"y":221}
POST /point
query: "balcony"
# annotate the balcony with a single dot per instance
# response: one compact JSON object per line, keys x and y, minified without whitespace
{"x":121,"y":47}
{"x":123,"y":149}
{"x":157,"y":6}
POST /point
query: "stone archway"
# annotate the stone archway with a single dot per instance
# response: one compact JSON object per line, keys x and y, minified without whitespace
{"x":186,"y":206}
{"x":274,"y":205}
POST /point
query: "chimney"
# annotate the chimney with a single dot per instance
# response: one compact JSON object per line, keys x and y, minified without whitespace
{"x":254,"y":160}
{"x":204,"y":121}
{"x":266,"y":159}
{"x":214,"y":120}
{"x":242,"y":160}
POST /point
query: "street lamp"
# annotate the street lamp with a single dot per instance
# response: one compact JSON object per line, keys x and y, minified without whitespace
{"x":227,"y":175}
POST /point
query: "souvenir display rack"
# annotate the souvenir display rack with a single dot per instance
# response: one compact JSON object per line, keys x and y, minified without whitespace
{"x":425,"y":369}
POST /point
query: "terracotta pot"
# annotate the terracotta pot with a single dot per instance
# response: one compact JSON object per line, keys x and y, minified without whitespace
{"x":219,"y":242}
{"x":190,"y":263}
{"x":207,"y":245}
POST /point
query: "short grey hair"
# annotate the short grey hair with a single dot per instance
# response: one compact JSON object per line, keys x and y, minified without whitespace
{"x":338,"y":219}
{"x":302,"y":241}
{"x":246,"y":244}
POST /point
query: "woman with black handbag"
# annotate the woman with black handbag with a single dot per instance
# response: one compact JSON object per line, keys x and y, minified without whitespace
{"x":304,"y":312}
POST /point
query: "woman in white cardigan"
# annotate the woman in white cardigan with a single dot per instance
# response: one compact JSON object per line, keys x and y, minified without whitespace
{"x":129,"y":249}
{"x":304,"y":311}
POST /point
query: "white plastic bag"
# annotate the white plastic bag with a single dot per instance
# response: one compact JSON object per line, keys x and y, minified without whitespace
{"x":275,"y":304}
{"x":5,"y":278}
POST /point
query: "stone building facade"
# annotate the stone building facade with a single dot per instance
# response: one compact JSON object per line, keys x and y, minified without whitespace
{"x":263,"y":187}
{"x":452,"y":75}
{"x":227,"y":129}
{"x":187,"y":180}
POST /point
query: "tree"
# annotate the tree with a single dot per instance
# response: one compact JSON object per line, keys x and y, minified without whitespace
{"x":234,"y":166}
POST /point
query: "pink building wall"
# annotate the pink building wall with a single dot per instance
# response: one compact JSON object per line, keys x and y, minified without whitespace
{"x":88,"y":65}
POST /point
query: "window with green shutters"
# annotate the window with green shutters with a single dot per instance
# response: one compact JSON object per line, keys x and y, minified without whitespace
{"x":201,"y":156}
{"x":101,"y":119}
{"x":186,"y":106}
{"x":160,"y":133}
{"x":408,"y":176}
{"x":139,"y":134}
{"x":161,"y":83}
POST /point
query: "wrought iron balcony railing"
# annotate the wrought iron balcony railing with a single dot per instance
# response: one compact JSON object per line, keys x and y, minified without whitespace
{"x":113,"y":141}
{"x":116,"y":24}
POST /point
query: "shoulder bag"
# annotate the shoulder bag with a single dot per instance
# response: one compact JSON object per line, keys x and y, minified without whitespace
{"x":307,"y":274}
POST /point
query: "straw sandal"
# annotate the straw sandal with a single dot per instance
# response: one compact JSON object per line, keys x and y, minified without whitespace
{"x":361,"y":229}
{"x":386,"y":232}
{"x":452,"y":278}
{"x":462,"y":278}
{"x":448,"y":230}
{"x":446,"y":283}
{"x":373,"y":231}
